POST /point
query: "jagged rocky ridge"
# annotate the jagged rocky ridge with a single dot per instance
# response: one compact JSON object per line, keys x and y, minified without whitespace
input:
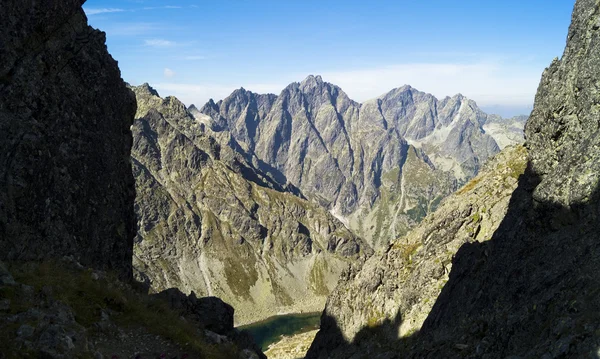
{"x":359,"y":160}
{"x":531,"y":290}
{"x":67,"y":205}
{"x":210,"y":223}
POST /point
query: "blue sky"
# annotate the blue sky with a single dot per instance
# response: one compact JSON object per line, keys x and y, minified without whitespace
{"x":491,"y":51}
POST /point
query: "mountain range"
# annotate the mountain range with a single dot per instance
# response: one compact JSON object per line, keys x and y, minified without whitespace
{"x":263,"y":200}
{"x":380,"y":166}
{"x":423,"y":225}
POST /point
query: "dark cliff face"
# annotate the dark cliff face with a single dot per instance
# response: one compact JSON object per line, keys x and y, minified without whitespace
{"x":66,"y":186}
{"x":531,"y":291}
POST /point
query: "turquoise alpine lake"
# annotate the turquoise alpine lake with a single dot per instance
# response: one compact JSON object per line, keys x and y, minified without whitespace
{"x":270,"y":330}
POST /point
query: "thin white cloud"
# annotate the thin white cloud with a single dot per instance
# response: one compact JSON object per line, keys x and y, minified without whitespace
{"x":493,"y":85}
{"x":264,"y":88}
{"x":159,"y":43}
{"x":194,"y":57}
{"x":168,"y":73}
{"x":200,"y":94}
{"x":96,"y":11}
{"x":194,"y":94}
{"x":486,"y":83}
{"x":161,"y":7}
{"x":132,"y":29}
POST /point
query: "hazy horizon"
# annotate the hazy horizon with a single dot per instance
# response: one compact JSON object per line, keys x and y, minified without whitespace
{"x":491,"y":53}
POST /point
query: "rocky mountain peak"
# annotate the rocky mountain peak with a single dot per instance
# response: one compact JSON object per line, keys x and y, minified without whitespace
{"x":312,"y":81}
{"x":147,"y":89}
{"x":459,"y":97}
{"x":210,"y":107}
{"x":241,"y":92}
{"x":239,"y":98}
{"x":398,"y":92}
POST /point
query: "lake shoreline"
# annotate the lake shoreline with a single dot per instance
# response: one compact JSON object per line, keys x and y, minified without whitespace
{"x":278,"y":315}
{"x":276,"y":328}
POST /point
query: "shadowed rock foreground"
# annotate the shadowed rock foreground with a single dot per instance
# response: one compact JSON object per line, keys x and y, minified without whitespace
{"x":67,"y":194}
{"x":66,"y":186}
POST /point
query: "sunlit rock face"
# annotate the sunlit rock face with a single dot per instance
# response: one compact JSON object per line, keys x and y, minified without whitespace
{"x":380,"y":166}
{"x":211,"y":223}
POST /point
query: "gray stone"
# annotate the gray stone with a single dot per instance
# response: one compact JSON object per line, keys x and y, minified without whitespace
{"x":5,"y":277}
{"x":27,"y":292}
{"x":248,"y":354}
{"x":54,"y":339}
{"x":216,"y":338}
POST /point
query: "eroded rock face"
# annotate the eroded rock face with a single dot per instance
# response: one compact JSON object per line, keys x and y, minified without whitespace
{"x":531,"y":290}
{"x":211,"y":223}
{"x":359,"y":160}
{"x":66,"y":186}
{"x":562,"y":132}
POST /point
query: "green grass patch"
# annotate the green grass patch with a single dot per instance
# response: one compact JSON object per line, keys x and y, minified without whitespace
{"x":406,"y":250}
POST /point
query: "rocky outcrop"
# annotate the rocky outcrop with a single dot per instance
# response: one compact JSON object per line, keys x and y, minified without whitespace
{"x":291,"y":347}
{"x":66,"y":186}
{"x":214,"y":317}
{"x":531,"y":290}
{"x":358,"y":160}
{"x":211,"y":223}
{"x":405,"y":280}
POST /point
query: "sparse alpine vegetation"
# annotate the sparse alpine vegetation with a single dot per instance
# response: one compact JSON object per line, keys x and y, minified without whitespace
{"x":61,"y":309}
